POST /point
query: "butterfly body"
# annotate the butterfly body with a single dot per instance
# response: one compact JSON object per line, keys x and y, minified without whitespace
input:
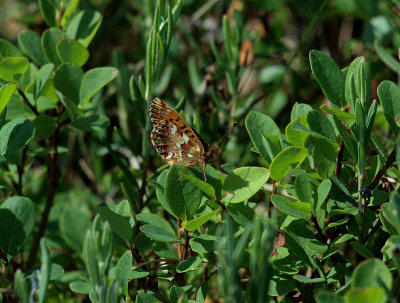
{"x":174,"y":139}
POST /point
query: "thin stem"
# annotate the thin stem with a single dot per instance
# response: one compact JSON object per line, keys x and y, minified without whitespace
{"x":53,"y":179}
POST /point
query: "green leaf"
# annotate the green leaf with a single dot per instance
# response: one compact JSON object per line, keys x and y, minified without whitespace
{"x":202,"y":185}
{"x":361,"y":249}
{"x":14,"y":135}
{"x":372,"y":272}
{"x":56,"y":272}
{"x":165,"y":250}
{"x":159,"y":234}
{"x":281,"y":285}
{"x":341,"y":114}
{"x":300,"y":210}
{"x":391,"y":211}
{"x":323,"y":191}
{"x":258,"y":124}
{"x":183,"y":197}
{"x":94,"y":80}
{"x":49,"y":10}
{"x":91,"y":123}
{"x":387,"y":58}
{"x":13,"y":66}
{"x":138,"y":273}
{"x":41,"y":79}
{"x":156,"y":220}
{"x":119,"y":224}
{"x":31,"y":45}
{"x":241,"y":213}
{"x":45,"y":270}
{"x":242,"y":183}
{"x":50,"y":39}
{"x":203,"y":243}
{"x":45,"y":126}
{"x":294,"y":136}
{"x":80,"y":287}
{"x":389,"y":94}
{"x":196,"y":223}
{"x":160,"y":191}
{"x":300,"y":109}
{"x":303,"y":189}
{"x":71,"y":51}
{"x":71,"y":7}
{"x":67,"y":80}
{"x":83,"y":26}
{"x":17,"y":217}
{"x":367,"y":295}
{"x":320,"y":124}
{"x":8,"y":49}
{"x":74,"y":234}
{"x":348,"y":140}
{"x":329,"y":77}
{"x":307,"y":280}
{"x":123,"y":270}
{"x":189,"y":264}
{"x":286,"y":160}
{"x":6,"y":92}
{"x":324,"y":155}
{"x":177,"y":294}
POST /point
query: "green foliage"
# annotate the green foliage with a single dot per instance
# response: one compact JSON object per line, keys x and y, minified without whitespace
{"x":304,"y":206}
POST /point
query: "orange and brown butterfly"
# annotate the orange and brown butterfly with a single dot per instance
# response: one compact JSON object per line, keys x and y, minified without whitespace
{"x":175,"y":140}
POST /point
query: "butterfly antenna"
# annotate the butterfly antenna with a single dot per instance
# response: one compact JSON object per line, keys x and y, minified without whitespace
{"x":227,"y":133}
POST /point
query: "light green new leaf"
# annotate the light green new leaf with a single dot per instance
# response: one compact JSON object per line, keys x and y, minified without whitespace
{"x":71,"y":51}
{"x":286,"y":160}
{"x":196,"y":223}
{"x":294,"y":136}
{"x":300,"y":210}
{"x":12,"y":66}
{"x":188,"y":265}
{"x":242,"y":183}
{"x":6,"y":92}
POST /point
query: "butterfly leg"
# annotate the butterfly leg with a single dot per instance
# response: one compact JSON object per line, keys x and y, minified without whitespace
{"x":204,"y":169}
{"x":181,"y":175}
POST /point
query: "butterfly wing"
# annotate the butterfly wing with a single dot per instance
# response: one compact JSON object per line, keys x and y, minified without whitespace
{"x":173,"y":138}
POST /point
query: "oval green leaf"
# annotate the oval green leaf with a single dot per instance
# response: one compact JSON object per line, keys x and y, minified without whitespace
{"x":329,"y":77}
{"x":257,"y":126}
{"x":17,"y":217}
{"x":13,"y":66}
{"x":286,"y":160}
{"x":242,"y":183}
{"x":94,"y":80}
{"x":71,"y":51}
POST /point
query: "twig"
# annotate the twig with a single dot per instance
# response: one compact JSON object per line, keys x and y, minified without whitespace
{"x":53,"y":179}
{"x":384,"y":168}
{"x":179,"y":229}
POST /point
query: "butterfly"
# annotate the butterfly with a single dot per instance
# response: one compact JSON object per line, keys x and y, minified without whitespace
{"x":175,"y":140}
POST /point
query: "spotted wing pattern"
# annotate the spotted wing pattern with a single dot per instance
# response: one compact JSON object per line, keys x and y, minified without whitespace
{"x":173,"y":138}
